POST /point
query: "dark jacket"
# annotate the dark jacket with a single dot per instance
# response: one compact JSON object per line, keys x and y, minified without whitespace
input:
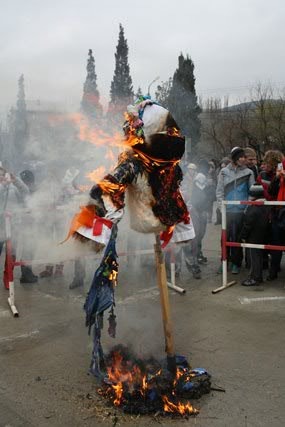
{"x":256,"y":227}
{"x":274,"y":187}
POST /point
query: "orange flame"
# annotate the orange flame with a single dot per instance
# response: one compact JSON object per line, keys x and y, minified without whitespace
{"x":110,"y":187}
{"x":110,"y":156}
{"x":121,"y":375}
{"x":118,"y":388}
{"x":113,"y":277}
{"x":97,"y":174}
{"x":181,"y":408}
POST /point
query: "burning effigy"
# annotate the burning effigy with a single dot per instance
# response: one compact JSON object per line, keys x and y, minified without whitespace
{"x":148,"y":172}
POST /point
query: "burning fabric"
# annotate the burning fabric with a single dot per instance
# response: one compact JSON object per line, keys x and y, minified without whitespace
{"x":149,"y":172}
{"x":144,"y":386}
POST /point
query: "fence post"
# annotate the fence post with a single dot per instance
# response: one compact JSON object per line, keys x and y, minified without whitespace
{"x":224,"y":252}
{"x":9,"y":267}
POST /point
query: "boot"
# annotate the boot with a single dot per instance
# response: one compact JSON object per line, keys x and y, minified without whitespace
{"x":27,"y":275}
{"x":58,"y":270}
{"x":196,"y":272}
{"x":47,"y":272}
{"x":202,"y":259}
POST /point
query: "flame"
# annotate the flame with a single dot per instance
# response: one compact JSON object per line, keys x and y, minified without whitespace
{"x":97,"y":174}
{"x":173,"y":131}
{"x":181,"y":408}
{"x":122,"y":376}
{"x":110,"y":156}
{"x":118,"y":389}
{"x":179,"y":374}
{"x":134,"y":140}
{"x":144,"y":383}
{"x":110,"y":187}
{"x":84,"y":188}
{"x":113,"y":276}
{"x":92,"y":134}
{"x":118,"y":374}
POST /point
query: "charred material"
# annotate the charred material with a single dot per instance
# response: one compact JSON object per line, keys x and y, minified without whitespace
{"x":143,"y":387}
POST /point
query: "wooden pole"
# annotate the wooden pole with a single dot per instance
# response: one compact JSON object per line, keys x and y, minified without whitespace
{"x":165,"y":307}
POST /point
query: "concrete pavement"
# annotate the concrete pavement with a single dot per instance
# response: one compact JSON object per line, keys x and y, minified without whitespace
{"x":237,"y":335}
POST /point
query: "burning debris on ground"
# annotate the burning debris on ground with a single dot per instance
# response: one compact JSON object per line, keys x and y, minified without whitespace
{"x":145,"y":386}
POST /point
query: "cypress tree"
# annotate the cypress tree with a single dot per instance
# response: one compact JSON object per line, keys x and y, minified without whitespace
{"x":90,"y":104}
{"x":20,"y":122}
{"x":121,"y":93}
{"x":182,"y":100}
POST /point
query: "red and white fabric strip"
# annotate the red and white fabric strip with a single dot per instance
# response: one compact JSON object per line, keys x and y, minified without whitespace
{"x":98,"y":225}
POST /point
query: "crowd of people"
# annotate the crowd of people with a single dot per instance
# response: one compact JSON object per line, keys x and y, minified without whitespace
{"x":206,"y":184}
{"x":239,"y":177}
{"x":20,"y":193}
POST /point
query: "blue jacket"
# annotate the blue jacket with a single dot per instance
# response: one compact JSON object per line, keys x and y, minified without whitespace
{"x":233,"y":184}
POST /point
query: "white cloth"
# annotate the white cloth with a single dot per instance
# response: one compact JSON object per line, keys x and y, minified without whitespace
{"x":183,"y":232}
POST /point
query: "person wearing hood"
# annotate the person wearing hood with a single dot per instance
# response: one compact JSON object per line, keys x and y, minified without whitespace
{"x":234,"y":182}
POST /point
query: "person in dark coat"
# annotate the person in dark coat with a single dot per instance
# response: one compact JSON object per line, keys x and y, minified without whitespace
{"x":277,"y":236}
{"x":266,"y":175}
{"x":255,"y":230}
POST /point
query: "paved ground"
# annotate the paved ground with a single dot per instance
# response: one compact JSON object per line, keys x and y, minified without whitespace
{"x":237,"y":335}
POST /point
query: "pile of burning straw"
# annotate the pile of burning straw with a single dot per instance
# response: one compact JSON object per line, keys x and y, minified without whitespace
{"x":146,"y":387}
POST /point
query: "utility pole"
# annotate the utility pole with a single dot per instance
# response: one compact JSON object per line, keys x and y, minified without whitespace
{"x":148,"y":89}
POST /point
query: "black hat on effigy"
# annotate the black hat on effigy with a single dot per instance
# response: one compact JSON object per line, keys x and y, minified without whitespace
{"x":160,"y":136}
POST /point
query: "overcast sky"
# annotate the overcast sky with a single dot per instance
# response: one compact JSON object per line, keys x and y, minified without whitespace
{"x":233,"y":44}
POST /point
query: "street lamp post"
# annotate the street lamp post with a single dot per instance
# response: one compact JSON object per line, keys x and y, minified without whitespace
{"x":148,"y":89}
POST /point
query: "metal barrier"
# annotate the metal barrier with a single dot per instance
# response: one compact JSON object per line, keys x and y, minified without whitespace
{"x":9,"y":267}
{"x":226,"y":244}
{"x":11,"y":263}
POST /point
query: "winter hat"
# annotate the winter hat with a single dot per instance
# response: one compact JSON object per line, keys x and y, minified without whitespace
{"x":236,"y":153}
{"x":27,"y":177}
{"x":256,"y":191}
